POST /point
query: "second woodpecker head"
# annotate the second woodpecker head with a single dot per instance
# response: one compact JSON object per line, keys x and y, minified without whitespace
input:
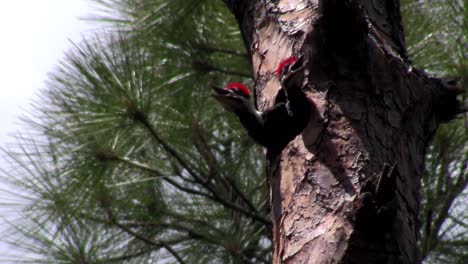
{"x":288,"y":68}
{"x":234,"y":97}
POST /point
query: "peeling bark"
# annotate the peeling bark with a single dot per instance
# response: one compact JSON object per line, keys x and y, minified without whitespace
{"x":347,"y":189}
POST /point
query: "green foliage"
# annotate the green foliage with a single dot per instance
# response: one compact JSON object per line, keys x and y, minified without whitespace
{"x":138,"y":164}
{"x":437,"y":33}
{"x":444,"y":216}
{"x":127,"y":159}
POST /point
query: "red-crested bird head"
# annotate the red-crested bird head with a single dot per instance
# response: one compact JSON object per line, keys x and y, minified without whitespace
{"x":234,"y":97}
{"x":284,"y":64}
{"x":239,"y":89}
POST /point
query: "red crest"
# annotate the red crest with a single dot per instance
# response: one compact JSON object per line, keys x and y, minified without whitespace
{"x":240,"y":86}
{"x":285,"y":62}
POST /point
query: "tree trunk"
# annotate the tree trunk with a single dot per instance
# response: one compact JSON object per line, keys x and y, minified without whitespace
{"x":347,"y":189}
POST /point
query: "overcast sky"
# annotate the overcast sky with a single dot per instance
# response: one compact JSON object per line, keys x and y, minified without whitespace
{"x":34,"y":36}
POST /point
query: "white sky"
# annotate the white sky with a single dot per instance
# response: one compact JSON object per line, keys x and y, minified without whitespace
{"x":34,"y":34}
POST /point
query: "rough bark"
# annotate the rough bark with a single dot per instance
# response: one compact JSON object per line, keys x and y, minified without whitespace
{"x":347,"y":189}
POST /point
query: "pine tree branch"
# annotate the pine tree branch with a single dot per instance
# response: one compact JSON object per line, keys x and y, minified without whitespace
{"x":151,"y":242}
{"x":230,"y":72}
{"x":241,"y":195}
{"x":181,"y":217}
{"x":157,"y":244}
{"x":137,"y":115}
{"x":129,"y":256}
{"x":166,"y":178}
{"x":113,"y":220}
{"x":443,"y":212}
{"x":192,"y":233}
{"x":202,"y":146}
{"x":206,"y":67}
{"x":253,"y":215}
{"x":169,"y":149}
{"x":211,"y":48}
{"x":214,"y":196}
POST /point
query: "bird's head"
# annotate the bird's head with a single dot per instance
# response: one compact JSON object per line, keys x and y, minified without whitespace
{"x":289,"y":72}
{"x":233,"y":97}
{"x":238,"y":89}
{"x":289,"y":66}
{"x":285,"y":65}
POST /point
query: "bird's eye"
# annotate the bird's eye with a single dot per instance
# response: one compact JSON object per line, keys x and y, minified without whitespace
{"x":240,"y":93}
{"x":285,"y":70}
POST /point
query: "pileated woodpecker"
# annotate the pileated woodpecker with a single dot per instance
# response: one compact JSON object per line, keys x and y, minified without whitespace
{"x":278,"y":125}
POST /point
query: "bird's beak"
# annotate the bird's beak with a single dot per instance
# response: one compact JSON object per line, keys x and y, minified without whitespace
{"x":218,"y":91}
{"x":299,"y":64}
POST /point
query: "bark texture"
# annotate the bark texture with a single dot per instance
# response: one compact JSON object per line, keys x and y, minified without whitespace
{"x":347,"y":189}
